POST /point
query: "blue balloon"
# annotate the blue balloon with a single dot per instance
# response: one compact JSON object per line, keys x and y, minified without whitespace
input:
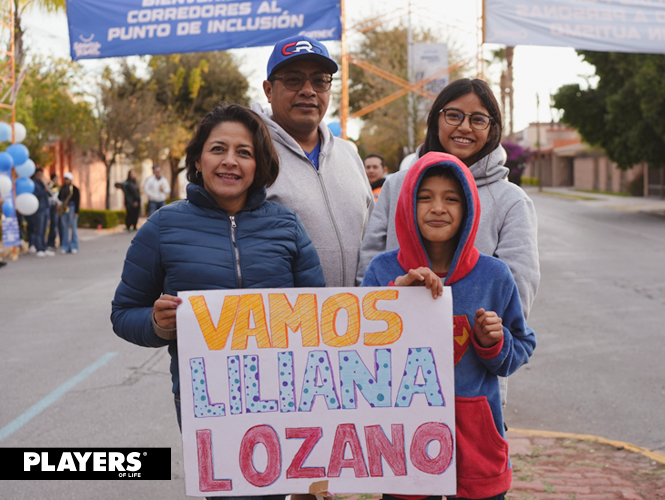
{"x":24,"y":185}
{"x":8,"y":208}
{"x":19,"y":152}
{"x":26,"y":169}
{"x":6,"y":162}
{"x":335,"y":128}
{"x":5,"y":132}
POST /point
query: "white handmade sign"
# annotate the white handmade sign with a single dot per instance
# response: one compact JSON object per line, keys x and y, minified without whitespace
{"x":282,"y":388}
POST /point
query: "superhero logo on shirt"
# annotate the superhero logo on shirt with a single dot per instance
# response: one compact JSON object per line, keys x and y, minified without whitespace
{"x":461,"y":335}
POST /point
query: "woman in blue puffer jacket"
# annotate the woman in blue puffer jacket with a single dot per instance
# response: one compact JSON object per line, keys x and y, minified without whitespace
{"x":225,"y":235}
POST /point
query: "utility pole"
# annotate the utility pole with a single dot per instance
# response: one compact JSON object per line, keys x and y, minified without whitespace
{"x":409,"y":72}
{"x":540,"y":179}
{"x":344,"y":105}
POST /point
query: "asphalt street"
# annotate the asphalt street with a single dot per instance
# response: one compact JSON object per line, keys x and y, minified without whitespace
{"x":55,"y":330}
{"x":68,"y":381}
{"x":598,"y":316}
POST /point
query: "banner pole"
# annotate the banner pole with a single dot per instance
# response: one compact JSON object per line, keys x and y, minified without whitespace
{"x":480,"y":40}
{"x":344,"y":112}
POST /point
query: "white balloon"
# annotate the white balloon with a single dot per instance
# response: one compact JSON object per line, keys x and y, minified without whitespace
{"x":5,"y":186}
{"x":19,"y":132}
{"x":27,"y":203}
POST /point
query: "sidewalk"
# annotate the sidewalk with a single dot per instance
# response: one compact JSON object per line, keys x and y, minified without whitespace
{"x":625,"y":203}
{"x":558,"y":466}
{"x":552,"y":466}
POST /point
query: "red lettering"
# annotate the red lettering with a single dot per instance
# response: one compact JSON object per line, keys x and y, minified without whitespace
{"x":378,"y":446}
{"x":424,"y":435}
{"x":207,"y":482}
{"x":311,"y":435}
{"x":346,"y":434}
{"x":265,"y":435}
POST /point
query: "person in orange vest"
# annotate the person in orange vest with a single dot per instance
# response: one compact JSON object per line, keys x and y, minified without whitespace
{"x":376,"y":171}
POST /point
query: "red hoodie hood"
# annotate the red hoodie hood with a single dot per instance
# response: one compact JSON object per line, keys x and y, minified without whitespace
{"x":412,"y":253}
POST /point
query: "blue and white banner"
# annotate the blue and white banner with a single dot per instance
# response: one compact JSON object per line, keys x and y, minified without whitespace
{"x":600,"y":25}
{"x":103,"y":28}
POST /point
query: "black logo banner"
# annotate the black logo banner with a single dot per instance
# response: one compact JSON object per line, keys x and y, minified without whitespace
{"x":85,"y":463}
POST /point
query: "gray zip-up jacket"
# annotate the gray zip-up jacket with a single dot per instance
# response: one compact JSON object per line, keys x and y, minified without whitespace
{"x":334,"y":202}
{"x":508,"y":226}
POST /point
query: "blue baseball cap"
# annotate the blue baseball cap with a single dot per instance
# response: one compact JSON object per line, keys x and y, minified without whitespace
{"x":299,"y":48}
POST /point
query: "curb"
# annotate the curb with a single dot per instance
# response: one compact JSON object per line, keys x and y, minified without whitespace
{"x":597,"y":439}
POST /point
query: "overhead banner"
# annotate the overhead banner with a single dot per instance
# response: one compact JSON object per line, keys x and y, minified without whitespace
{"x":103,"y":28}
{"x":282,"y":389}
{"x":600,"y":25}
{"x":430,"y":58}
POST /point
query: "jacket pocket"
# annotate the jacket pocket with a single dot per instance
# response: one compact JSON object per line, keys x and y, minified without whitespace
{"x":482,"y":453}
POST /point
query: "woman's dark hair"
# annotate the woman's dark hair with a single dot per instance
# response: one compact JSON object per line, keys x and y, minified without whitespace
{"x":267,"y":160}
{"x":129,"y":174}
{"x":455,"y":90}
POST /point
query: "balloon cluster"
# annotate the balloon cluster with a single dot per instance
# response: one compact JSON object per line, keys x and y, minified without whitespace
{"x":16,"y":157}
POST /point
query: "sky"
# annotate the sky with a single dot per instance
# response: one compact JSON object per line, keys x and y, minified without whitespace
{"x":536,"y":70}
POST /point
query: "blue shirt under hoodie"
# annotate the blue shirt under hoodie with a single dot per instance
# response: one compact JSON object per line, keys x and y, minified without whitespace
{"x":477,"y":281}
{"x":188,"y":245}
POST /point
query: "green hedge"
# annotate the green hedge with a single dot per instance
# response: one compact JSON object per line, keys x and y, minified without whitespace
{"x":103,"y":218}
{"x":530,"y":181}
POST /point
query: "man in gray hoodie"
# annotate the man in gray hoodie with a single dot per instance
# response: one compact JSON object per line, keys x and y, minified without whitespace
{"x":321,"y":177}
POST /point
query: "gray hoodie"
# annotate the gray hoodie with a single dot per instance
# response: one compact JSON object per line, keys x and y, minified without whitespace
{"x":508,"y":226}
{"x":333,"y":202}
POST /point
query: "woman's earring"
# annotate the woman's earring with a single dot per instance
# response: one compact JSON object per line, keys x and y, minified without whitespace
{"x":198,"y":174}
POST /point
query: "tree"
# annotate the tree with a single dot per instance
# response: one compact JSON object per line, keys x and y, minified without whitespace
{"x":50,"y":106}
{"x":505,"y":55}
{"x":127,"y":115}
{"x":20,"y":7}
{"x":516,"y":158}
{"x":623,"y":114}
{"x":385,"y":130}
{"x":186,"y":88}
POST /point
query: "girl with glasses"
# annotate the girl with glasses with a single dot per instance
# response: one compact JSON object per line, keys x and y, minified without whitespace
{"x":465,"y":121}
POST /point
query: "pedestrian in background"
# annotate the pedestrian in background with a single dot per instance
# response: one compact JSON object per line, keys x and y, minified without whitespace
{"x":376,"y":172}
{"x":37,"y":222}
{"x":130,"y":189}
{"x":70,"y":199}
{"x":157,"y":188}
{"x":54,"y":224}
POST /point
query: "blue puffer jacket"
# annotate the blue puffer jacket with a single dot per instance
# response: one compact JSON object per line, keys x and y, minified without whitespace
{"x":188,"y":245}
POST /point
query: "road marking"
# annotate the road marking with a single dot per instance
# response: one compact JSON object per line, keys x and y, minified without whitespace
{"x":39,"y":407}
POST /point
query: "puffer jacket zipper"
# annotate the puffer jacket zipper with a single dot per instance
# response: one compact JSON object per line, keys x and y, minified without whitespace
{"x":235,"y":249}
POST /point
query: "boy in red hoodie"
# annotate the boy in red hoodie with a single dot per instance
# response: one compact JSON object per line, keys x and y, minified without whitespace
{"x":436,"y":223}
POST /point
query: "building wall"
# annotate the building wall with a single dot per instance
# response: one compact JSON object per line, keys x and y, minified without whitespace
{"x":584,"y":173}
{"x":599,"y":173}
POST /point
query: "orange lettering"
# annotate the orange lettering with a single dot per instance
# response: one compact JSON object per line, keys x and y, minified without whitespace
{"x":302,"y":317}
{"x":215,"y":337}
{"x":250,"y":303}
{"x":395,"y":325}
{"x":329,"y":311}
